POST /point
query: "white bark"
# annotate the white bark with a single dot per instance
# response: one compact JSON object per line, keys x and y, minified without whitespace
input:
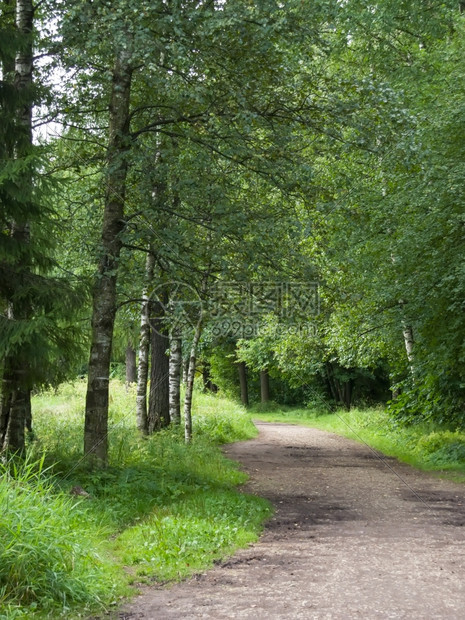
{"x":407,"y":332}
{"x":144,"y":346}
{"x":185,"y":370}
{"x":175,"y":378}
{"x":190,"y":385}
{"x":24,"y":63}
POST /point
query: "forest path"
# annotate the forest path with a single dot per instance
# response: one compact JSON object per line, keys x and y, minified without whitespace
{"x":354,"y":535}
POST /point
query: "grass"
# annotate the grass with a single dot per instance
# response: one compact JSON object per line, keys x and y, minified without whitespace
{"x":161,"y":510}
{"x":48,"y":557}
{"x":425,"y":446}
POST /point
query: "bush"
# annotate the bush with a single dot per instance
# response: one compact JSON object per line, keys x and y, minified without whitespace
{"x":443,"y":447}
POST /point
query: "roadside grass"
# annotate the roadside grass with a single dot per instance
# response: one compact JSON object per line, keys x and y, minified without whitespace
{"x":49,"y":559}
{"x":161,"y":510}
{"x":425,"y":446}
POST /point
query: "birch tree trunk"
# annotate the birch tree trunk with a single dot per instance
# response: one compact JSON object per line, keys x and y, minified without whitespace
{"x":158,"y":415}
{"x":104,"y":293}
{"x":407,"y":332}
{"x":144,"y":348}
{"x":175,"y":378}
{"x":24,"y":67}
{"x":185,"y":370}
{"x":190,"y":384}
{"x":16,"y":396}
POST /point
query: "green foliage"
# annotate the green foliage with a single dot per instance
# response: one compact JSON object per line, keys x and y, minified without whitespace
{"x":38,"y":331}
{"x":443,"y":448}
{"x":387,"y":242}
{"x":223,"y":371}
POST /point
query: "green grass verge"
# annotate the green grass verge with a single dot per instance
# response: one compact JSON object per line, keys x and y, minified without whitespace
{"x":161,"y":510}
{"x":425,"y":446}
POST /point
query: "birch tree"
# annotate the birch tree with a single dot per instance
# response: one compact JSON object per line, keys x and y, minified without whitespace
{"x":105,"y":294}
{"x":175,"y":370}
{"x":144,"y":346}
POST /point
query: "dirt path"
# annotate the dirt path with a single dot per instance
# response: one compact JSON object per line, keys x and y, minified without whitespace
{"x":353,"y":536}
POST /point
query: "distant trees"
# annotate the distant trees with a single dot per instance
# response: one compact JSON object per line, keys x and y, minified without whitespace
{"x":387,"y":248}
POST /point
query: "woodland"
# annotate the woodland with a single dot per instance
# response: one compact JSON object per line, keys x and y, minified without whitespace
{"x":244,"y":199}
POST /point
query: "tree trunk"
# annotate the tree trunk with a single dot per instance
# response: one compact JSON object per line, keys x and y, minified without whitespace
{"x":185,"y":370}
{"x":15,"y":404}
{"x":264,"y":386}
{"x":206,"y":377}
{"x":144,"y":347}
{"x":28,"y":412}
{"x":243,"y":383}
{"x":330,"y":380}
{"x":208,"y":385}
{"x":4,"y":412}
{"x":16,"y":395}
{"x":190,"y":384}
{"x":23,"y":69}
{"x":104,"y":293}
{"x":158,"y":415}
{"x":347,"y":393}
{"x":175,"y":378}
{"x":131,"y":366}
{"x":407,"y":332}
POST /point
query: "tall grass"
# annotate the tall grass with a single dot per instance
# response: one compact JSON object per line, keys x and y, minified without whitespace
{"x":49,"y":559}
{"x":161,"y":509}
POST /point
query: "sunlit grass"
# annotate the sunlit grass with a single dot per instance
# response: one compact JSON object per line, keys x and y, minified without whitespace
{"x":162,"y":509}
{"x":50,"y":559}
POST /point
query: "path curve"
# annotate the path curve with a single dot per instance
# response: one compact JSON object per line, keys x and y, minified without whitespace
{"x":354,"y":535}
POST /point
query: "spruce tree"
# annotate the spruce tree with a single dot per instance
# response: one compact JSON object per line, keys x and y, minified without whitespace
{"x":35,"y":304}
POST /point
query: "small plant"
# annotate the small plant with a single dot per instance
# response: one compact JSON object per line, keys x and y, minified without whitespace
{"x":443,"y":447}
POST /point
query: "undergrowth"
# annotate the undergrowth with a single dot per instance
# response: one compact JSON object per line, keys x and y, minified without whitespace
{"x":426,"y":445}
{"x":48,"y":558}
{"x":161,"y":510}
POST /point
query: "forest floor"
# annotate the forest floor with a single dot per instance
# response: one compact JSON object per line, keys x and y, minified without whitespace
{"x":354,"y":535}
